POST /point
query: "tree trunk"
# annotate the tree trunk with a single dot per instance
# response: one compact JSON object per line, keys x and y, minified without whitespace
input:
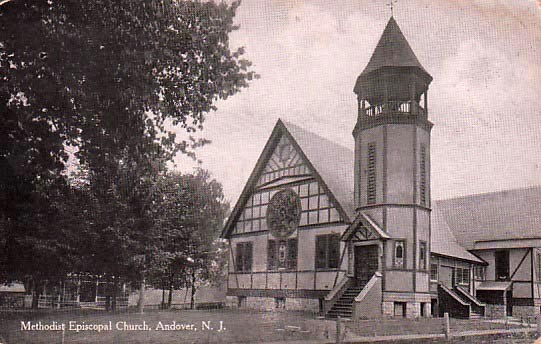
{"x":170,"y":297}
{"x":141,"y":302}
{"x":35,"y":294}
{"x":192,"y":299}
{"x":163,"y":295}
{"x":115,"y":292}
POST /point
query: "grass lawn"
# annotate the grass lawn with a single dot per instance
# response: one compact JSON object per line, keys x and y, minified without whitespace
{"x":238,"y":327}
{"x":418,"y":326}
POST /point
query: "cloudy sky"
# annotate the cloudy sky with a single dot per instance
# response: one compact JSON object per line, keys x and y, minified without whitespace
{"x":485,"y":100}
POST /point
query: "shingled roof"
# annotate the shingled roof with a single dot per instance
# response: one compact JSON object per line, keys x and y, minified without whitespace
{"x":442,"y":241}
{"x":393,"y":50}
{"x":506,"y":215}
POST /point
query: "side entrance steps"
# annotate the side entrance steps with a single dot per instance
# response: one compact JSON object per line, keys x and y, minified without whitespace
{"x":459,"y":303}
{"x":343,"y":307}
{"x":477,"y":308}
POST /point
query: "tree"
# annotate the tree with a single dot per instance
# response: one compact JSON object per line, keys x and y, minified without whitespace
{"x":189,"y":213}
{"x":109,"y":77}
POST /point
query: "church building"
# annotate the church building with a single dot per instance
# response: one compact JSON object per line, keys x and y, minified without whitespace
{"x":355,"y":233}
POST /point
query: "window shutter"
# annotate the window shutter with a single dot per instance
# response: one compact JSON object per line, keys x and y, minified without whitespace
{"x":321,"y":251}
{"x":291,"y":254}
{"x":371,"y":177}
{"x":248,"y":257}
{"x":334,"y":251}
{"x":239,"y":256}
{"x":422,"y":176}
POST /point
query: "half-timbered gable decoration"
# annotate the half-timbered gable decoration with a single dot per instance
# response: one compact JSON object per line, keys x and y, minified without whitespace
{"x":285,"y":161}
{"x":284,"y":165}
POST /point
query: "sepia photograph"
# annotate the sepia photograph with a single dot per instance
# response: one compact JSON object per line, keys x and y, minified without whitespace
{"x":270,"y":171}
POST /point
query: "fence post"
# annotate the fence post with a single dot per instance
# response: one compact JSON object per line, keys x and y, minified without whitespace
{"x":446,"y":326}
{"x":338,"y":330}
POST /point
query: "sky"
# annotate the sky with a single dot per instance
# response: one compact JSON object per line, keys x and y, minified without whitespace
{"x":484,"y":101}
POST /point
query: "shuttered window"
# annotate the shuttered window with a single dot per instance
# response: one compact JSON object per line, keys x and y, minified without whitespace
{"x":371,"y":174}
{"x":422,"y":176}
{"x":244,"y":256}
{"x":327,"y":251}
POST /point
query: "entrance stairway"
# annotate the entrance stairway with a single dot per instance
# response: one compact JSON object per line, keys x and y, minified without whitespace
{"x":343,"y":307}
{"x":459,"y":303}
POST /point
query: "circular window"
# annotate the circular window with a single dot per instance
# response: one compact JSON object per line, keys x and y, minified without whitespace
{"x":284,"y":213}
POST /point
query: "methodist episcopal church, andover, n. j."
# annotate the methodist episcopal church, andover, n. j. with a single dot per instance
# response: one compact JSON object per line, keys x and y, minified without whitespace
{"x":320,"y":227}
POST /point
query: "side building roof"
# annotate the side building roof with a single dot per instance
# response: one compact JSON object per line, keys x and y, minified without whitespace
{"x":493,"y":219}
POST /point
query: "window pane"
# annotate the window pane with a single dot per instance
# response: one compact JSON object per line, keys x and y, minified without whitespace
{"x":257,"y":199}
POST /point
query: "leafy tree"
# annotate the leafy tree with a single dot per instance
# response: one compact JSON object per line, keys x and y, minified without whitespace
{"x":189,"y":212}
{"x":111,"y":78}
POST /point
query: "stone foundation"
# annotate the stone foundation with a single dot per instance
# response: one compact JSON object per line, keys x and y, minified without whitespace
{"x":388,"y":308}
{"x":273,"y":304}
{"x":495,"y":311}
{"x":412,"y":301}
{"x":525,"y":311}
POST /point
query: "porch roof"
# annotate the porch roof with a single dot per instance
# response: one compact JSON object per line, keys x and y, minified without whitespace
{"x":494,"y":285}
{"x":364,"y":220}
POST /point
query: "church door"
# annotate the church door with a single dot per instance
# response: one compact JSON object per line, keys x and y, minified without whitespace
{"x":366,"y":263}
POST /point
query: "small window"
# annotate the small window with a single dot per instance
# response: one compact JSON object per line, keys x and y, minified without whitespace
{"x":479,"y":272}
{"x":399,"y":253}
{"x":434,"y":272}
{"x":244,"y":256}
{"x":327,"y":251}
{"x":422,"y":255}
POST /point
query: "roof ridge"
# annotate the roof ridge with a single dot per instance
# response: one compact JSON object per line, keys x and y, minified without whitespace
{"x":288,"y":123}
{"x":523,"y":188}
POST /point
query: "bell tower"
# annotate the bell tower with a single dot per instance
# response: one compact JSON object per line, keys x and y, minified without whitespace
{"x":392,"y":168}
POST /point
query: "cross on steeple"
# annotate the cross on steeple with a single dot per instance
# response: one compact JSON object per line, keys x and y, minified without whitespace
{"x":391,"y":4}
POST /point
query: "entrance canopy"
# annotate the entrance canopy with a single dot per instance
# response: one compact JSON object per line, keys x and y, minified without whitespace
{"x":364,"y":228}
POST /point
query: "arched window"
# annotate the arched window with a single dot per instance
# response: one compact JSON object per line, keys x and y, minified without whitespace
{"x":399,"y":253}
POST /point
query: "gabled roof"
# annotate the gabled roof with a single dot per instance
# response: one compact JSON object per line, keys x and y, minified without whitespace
{"x":393,"y":50}
{"x":443,"y":242}
{"x":331,"y":163}
{"x":506,"y":215}
{"x":363,"y":220}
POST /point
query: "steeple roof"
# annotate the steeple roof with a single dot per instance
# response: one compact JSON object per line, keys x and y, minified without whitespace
{"x":393,"y":50}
